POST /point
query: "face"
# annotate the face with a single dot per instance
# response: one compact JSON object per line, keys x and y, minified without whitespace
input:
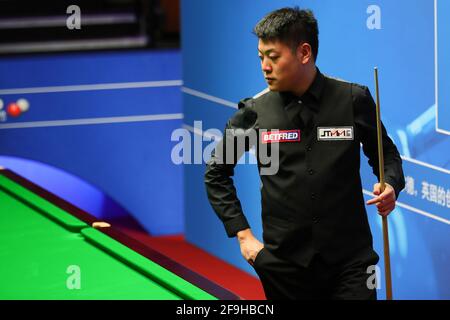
{"x":283,"y":69}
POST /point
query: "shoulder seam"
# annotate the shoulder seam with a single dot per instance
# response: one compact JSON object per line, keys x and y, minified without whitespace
{"x":337,"y":79}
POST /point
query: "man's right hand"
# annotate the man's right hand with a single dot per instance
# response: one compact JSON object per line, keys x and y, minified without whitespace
{"x":250,"y":246}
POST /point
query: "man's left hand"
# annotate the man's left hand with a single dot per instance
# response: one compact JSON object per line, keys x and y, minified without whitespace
{"x":385,"y":201}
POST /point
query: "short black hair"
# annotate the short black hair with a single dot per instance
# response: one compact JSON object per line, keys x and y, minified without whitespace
{"x":291,"y":26}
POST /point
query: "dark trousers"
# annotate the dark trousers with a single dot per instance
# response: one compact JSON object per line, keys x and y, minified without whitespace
{"x":282,"y":279}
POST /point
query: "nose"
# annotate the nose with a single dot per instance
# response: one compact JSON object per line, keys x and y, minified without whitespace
{"x":266,"y":67}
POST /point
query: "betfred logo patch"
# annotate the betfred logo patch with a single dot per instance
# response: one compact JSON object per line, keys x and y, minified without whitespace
{"x":280,"y":136}
{"x":335,"y":133}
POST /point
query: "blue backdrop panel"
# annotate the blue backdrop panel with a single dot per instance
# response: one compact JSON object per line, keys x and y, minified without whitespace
{"x":128,"y":160}
{"x":221,"y":67}
{"x":89,"y":68}
{"x":443,"y":63}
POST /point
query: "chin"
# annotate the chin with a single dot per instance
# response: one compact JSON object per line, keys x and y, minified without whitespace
{"x":273,"y":88}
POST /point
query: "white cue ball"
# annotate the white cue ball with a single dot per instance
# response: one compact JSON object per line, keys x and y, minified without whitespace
{"x":23,"y":104}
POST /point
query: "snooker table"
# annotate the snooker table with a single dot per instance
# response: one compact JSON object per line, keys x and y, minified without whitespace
{"x":49,"y":249}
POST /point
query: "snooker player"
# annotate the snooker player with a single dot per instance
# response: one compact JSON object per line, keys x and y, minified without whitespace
{"x":317,"y":239}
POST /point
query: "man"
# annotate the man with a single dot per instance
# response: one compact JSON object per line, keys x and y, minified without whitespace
{"x":317,"y":239}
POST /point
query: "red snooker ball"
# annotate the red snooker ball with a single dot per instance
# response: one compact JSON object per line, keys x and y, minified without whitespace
{"x":13,"y":110}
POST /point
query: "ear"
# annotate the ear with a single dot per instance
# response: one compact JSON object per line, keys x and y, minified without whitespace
{"x":304,"y":53}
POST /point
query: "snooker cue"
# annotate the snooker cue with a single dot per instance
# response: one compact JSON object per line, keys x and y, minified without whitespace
{"x":387,"y":259}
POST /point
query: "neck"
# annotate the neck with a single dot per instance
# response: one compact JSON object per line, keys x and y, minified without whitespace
{"x":306,"y":81}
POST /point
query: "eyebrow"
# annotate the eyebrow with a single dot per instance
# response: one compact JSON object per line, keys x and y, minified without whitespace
{"x":267,"y":51}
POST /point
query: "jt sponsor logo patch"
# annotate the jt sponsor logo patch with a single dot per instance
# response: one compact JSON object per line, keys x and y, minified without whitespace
{"x":280,"y":136}
{"x":335,"y":133}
